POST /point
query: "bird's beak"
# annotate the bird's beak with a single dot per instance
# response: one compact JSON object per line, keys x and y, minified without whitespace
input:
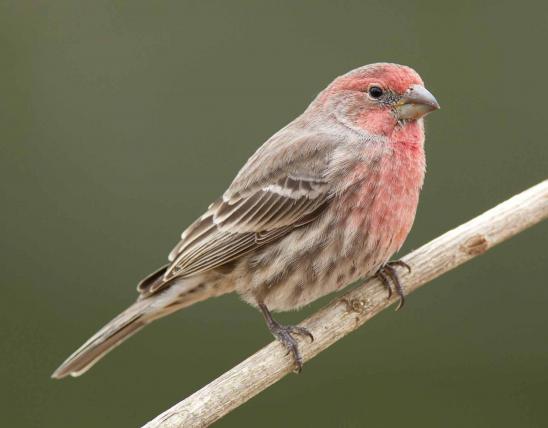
{"x":415,"y":103}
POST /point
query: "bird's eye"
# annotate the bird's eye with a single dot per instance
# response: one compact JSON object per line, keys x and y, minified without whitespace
{"x":375,"y":92}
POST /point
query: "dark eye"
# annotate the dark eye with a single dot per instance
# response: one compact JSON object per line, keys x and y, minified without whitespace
{"x":375,"y":92}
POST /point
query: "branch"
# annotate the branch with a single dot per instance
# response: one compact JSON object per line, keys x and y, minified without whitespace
{"x":346,"y":314}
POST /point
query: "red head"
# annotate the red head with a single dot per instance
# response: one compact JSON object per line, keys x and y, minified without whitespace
{"x":377,"y":98}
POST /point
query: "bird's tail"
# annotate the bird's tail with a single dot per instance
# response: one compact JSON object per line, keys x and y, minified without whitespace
{"x":112,"y":334}
{"x":132,"y":320}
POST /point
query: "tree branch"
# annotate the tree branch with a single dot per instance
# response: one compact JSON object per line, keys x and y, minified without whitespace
{"x":346,"y":314}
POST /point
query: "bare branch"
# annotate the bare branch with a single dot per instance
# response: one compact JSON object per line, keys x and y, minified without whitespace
{"x":346,"y":314}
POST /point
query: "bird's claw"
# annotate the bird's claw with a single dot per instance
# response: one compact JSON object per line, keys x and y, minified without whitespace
{"x":284,"y":333}
{"x":400,"y":263}
{"x":388,"y":275}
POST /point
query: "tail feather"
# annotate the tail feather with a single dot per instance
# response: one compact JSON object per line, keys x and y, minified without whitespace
{"x":111,"y":335}
{"x":180,"y":294}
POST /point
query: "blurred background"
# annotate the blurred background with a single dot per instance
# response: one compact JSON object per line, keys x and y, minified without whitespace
{"x":122,"y":120}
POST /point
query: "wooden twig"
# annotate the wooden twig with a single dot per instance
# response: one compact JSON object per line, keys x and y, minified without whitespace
{"x":346,"y":314}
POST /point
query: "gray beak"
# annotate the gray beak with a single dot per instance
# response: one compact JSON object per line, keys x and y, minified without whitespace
{"x":415,"y":103}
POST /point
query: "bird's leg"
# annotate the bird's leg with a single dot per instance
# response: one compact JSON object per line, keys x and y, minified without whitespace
{"x":388,"y":274}
{"x":284,"y":333}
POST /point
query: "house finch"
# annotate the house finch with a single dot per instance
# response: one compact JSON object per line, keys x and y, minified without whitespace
{"x":324,"y":202}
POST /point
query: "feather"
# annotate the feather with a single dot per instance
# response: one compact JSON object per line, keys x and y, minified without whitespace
{"x":270,"y":197}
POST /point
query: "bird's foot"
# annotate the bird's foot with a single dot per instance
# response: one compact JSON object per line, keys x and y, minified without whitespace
{"x":284,"y":333}
{"x":388,"y":275}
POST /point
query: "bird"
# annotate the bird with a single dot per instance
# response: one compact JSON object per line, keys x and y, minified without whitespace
{"x":324,"y":202}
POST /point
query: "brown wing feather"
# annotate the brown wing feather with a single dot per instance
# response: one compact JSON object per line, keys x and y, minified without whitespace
{"x":272,"y":195}
{"x":233,"y":228}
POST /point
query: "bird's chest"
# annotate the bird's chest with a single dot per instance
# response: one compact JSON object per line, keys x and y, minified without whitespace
{"x":382,"y":203}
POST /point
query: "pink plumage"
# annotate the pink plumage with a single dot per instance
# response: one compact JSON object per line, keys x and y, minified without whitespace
{"x":325,"y":201}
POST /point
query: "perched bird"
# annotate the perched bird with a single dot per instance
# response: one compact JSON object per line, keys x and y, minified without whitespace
{"x":327,"y":200}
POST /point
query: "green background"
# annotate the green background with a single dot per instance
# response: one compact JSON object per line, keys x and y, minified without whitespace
{"x":122,"y":120}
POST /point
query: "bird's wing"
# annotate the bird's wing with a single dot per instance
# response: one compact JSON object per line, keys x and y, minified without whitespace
{"x":281,"y":187}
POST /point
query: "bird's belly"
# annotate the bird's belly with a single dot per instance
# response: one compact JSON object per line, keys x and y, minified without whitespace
{"x":306,"y":265}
